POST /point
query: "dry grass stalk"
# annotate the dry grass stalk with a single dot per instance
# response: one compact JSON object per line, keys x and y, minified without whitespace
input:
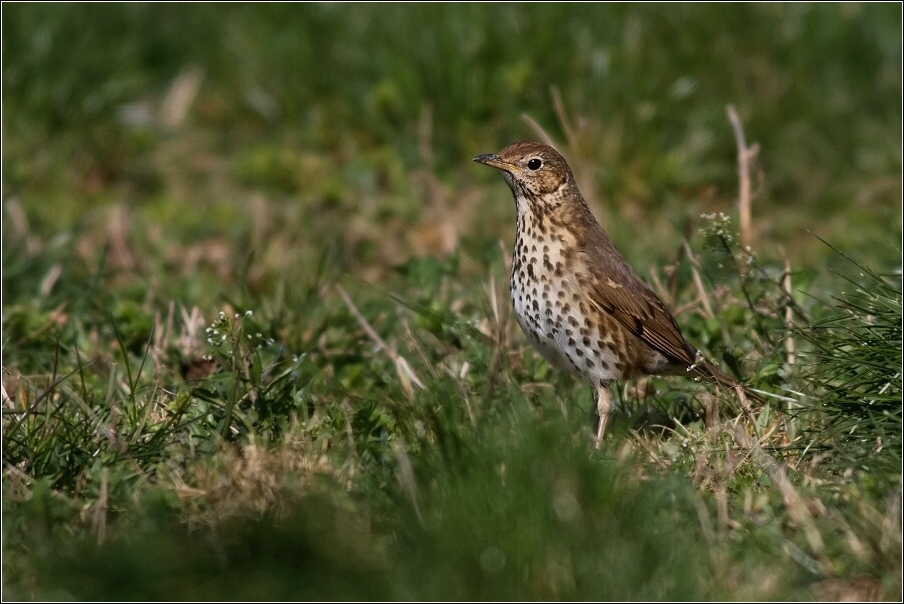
{"x":22,"y":228}
{"x":712,"y":419}
{"x":664,"y":294}
{"x":698,"y":282}
{"x":794,"y":503}
{"x":181,"y":95}
{"x":571,"y":134}
{"x":499,"y":335}
{"x":99,"y":520}
{"x":406,"y":373}
{"x":415,"y":345}
{"x":349,"y":414}
{"x":406,"y":477}
{"x":50,"y":279}
{"x":789,"y":315}
{"x":544,"y":136}
{"x":648,"y":449}
{"x":746,"y":156}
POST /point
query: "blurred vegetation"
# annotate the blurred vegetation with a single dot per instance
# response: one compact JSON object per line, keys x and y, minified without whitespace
{"x":818,"y":87}
{"x":194,"y":407}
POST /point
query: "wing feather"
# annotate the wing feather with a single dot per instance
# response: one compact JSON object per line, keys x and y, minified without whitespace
{"x":623,"y":295}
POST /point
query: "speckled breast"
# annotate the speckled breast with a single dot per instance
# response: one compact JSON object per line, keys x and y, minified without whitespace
{"x":558,"y":321}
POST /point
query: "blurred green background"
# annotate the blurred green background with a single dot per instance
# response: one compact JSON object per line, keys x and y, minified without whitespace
{"x":333,"y":106}
{"x":164,"y":162}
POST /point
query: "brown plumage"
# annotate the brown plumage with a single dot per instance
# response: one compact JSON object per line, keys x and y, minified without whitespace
{"x":575,"y":297}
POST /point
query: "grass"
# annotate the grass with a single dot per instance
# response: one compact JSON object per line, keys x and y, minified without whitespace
{"x":258,"y":344}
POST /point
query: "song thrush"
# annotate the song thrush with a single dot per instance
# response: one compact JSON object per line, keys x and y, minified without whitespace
{"x":575,"y":297}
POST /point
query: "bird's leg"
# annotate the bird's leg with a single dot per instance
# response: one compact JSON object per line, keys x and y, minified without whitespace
{"x":603,"y":407}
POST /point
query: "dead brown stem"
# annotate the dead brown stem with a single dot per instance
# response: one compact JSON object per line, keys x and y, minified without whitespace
{"x":544,"y":136}
{"x":745,"y":156}
{"x":795,"y":504}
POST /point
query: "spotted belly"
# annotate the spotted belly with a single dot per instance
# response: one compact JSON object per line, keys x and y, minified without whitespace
{"x":560,"y":327}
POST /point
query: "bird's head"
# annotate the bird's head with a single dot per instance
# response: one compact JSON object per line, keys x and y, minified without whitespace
{"x":532,"y":170}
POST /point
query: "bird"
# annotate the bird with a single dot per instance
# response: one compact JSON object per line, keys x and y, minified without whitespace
{"x":575,"y":296}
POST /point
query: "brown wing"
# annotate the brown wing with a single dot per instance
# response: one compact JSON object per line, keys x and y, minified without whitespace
{"x":634,"y":305}
{"x":616,"y":289}
{"x":643,"y":314}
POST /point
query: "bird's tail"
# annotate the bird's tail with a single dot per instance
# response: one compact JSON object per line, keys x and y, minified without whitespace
{"x":711,"y":373}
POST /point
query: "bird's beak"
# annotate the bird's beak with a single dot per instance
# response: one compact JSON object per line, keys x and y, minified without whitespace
{"x":494,"y":161}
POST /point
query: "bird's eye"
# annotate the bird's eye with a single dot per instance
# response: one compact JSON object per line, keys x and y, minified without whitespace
{"x":534,"y":164}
